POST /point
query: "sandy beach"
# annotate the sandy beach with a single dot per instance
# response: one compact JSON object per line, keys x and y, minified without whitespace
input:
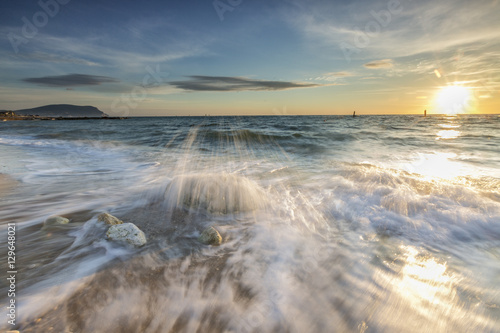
{"x":7,"y":184}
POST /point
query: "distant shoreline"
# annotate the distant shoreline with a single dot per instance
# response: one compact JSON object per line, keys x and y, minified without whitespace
{"x":55,"y":112}
{"x":56,"y":118}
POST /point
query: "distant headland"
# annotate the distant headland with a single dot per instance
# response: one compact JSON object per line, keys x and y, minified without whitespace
{"x":56,"y":112}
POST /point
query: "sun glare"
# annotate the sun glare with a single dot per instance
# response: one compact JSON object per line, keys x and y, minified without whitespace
{"x":453,"y":99}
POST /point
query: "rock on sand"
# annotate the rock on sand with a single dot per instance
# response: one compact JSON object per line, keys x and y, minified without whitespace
{"x":210,"y":236}
{"x":109,"y":219}
{"x":128,"y":232}
{"x":55,"y":220}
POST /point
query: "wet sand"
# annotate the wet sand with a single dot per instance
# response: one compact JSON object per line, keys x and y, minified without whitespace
{"x":150,"y":277}
{"x":7,"y":184}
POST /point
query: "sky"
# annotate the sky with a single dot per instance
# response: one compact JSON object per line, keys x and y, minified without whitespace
{"x":242,"y":57}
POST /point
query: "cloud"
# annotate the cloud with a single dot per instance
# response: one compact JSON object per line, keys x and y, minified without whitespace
{"x":419,"y":28}
{"x":54,"y":58}
{"x":228,"y":83}
{"x":379,"y":64}
{"x":70,"y":80}
{"x":108,"y":52}
{"x":334,"y":77}
{"x":339,"y":74}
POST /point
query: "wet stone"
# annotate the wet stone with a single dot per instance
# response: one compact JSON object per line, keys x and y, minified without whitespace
{"x":210,"y":236}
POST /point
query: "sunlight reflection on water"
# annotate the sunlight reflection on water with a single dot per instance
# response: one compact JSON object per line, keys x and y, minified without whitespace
{"x":438,"y":164}
{"x":449,"y":125}
{"x":447,"y":134}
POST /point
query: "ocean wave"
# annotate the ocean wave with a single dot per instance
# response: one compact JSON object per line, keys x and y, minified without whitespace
{"x":242,"y":135}
{"x":216,"y":193}
{"x":411,"y":206}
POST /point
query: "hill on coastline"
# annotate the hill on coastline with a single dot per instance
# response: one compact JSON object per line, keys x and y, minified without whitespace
{"x":62,"y":110}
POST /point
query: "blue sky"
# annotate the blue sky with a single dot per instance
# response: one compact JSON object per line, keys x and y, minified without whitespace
{"x":249,"y":57}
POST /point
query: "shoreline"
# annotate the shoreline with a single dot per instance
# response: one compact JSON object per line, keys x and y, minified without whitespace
{"x":56,"y":118}
{"x":7,"y":184}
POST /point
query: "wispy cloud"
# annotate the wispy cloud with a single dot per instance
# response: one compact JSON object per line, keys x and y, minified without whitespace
{"x":339,"y":74}
{"x":419,"y":27}
{"x":379,"y":64}
{"x":70,"y":80}
{"x":228,"y":83}
{"x":106,"y":50}
{"x":337,"y":77}
{"x":55,"y":58}
{"x":126,"y":60}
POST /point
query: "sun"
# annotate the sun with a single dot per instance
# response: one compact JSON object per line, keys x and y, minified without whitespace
{"x":453,"y":99}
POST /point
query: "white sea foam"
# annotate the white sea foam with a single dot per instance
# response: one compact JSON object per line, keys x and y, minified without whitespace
{"x":217,"y":193}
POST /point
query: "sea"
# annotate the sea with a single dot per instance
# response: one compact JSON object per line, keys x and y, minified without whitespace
{"x":328,"y":224}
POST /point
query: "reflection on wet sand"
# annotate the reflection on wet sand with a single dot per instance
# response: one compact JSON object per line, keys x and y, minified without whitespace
{"x":425,"y":284}
{"x":420,"y":289}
